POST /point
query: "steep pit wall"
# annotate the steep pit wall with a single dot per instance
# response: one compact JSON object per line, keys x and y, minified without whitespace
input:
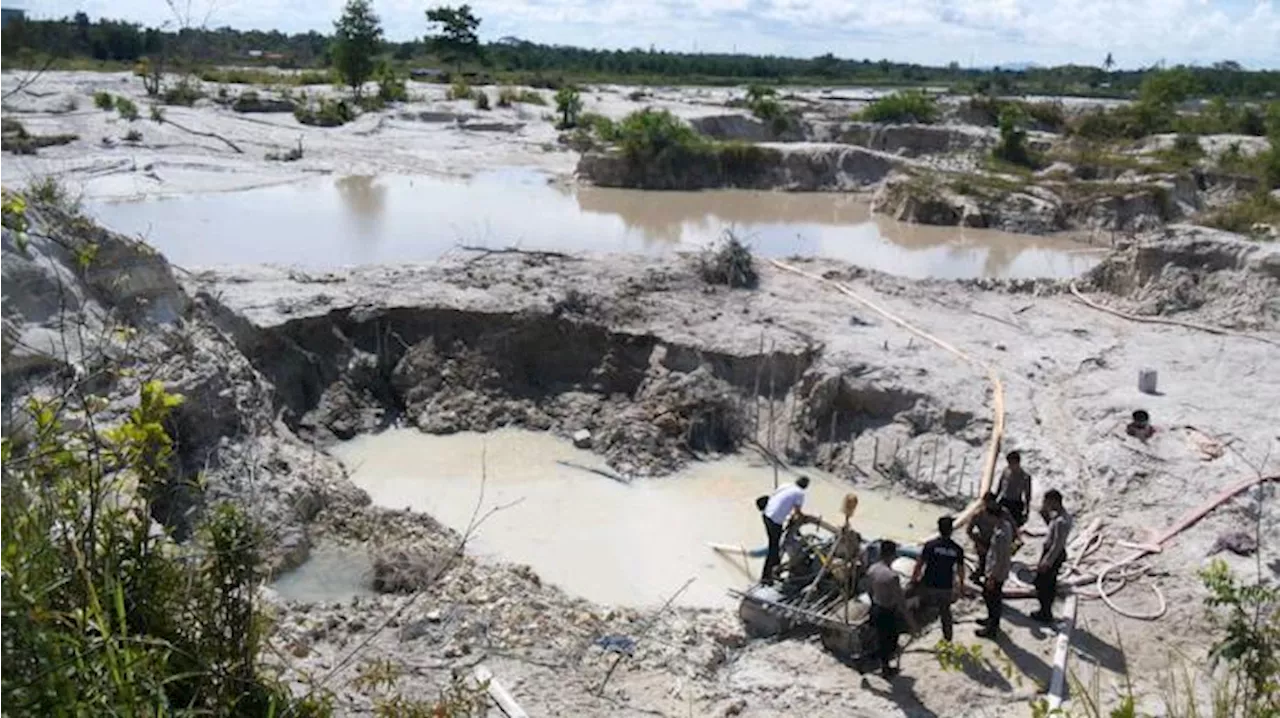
{"x":800,"y":167}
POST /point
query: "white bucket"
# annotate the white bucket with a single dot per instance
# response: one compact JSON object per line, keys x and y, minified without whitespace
{"x":1147,"y":381}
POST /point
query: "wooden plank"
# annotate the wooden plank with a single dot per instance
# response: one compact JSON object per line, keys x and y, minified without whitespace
{"x":499,"y":694}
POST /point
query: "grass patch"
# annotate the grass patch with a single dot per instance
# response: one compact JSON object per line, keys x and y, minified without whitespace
{"x":104,"y":101}
{"x":664,"y":152}
{"x":907,"y":106}
{"x":391,"y":87}
{"x":15,"y":138}
{"x":1241,"y":217}
{"x":481,"y":99}
{"x":133,"y":136}
{"x":459,"y":90}
{"x":325,"y":112}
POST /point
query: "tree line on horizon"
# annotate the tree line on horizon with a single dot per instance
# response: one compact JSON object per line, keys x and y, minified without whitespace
{"x":29,"y":42}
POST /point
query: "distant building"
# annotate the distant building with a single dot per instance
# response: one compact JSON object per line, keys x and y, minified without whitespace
{"x":11,"y":13}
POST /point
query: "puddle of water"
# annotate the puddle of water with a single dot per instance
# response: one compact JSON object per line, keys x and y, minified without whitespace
{"x":328,"y":222}
{"x":330,"y":573}
{"x":620,"y":544}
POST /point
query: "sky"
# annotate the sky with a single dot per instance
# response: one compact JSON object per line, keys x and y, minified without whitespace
{"x":1138,"y":33}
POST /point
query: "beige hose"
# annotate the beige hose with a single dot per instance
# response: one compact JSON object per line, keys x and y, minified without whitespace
{"x":1171,"y":322}
{"x":997,"y":429}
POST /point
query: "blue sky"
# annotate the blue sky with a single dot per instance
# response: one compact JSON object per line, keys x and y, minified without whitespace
{"x":981,"y":32}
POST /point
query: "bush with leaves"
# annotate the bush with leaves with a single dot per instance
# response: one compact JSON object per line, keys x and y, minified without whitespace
{"x":569,"y":106}
{"x":459,"y":90}
{"x":729,"y":263}
{"x":185,"y":92}
{"x":126,"y":108}
{"x":104,"y":613}
{"x":905,"y":106}
{"x":325,"y":112}
{"x":481,"y":99}
{"x":104,"y":101}
{"x":1012,"y":147}
{"x":391,"y":87}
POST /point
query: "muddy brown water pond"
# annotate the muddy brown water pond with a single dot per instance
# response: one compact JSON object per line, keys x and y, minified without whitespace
{"x":613,"y":543}
{"x":330,"y":222}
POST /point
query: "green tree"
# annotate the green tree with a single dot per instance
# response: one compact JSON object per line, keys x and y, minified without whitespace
{"x":455,"y":33}
{"x":569,"y":105}
{"x":1109,"y":62}
{"x":357,"y":36}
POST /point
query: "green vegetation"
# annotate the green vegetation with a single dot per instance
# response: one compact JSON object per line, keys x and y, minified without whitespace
{"x":133,"y":136}
{"x":185,"y":93}
{"x":104,"y":101}
{"x":1258,"y":208}
{"x":391,"y":87}
{"x":455,"y":38}
{"x":49,"y":191}
{"x":149,"y":626}
{"x":157,"y":114}
{"x":728,"y":263}
{"x":357,"y":38}
{"x":764,"y":104}
{"x":127,"y":109}
{"x":482,"y":99}
{"x":325,"y":112}
{"x":508,"y":96}
{"x":1047,"y":116}
{"x":459,"y":90}
{"x":254,"y":76}
{"x":907,"y":106}
{"x":664,"y":152}
{"x":17,"y":140}
{"x":1012,"y":147}
{"x":568,"y":105}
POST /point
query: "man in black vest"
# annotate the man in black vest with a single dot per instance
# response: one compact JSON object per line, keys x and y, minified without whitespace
{"x":941,"y":566}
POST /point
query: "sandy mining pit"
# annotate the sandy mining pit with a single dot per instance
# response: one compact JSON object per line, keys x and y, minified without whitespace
{"x":283,"y":367}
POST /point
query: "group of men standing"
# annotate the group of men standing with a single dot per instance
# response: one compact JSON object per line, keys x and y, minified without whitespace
{"x":939,"y":573}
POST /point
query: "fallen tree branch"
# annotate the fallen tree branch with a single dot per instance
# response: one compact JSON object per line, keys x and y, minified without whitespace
{"x":486,"y":251}
{"x":201,"y":133}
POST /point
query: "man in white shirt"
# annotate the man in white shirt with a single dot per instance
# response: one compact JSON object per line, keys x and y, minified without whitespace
{"x":785,"y":502}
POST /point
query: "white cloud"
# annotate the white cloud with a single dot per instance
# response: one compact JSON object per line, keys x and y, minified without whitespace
{"x":1138,"y":32}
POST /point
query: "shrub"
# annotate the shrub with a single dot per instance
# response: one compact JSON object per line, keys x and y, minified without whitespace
{"x":325,"y":113}
{"x":1049,"y":116}
{"x":569,"y":105}
{"x":728,"y":263}
{"x":507,"y":96}
{"x":157,"y":113}
{"x":391,"y":87}
{"x":133,"y":136}
{"x":10,"y":126}
{"x":104,"y":101}
{"x":481,"y":99}
{"x":531,"y":97}
{"x":126,"y":108}
{"x":1241,"y":217}
{"x":185,"y":93}
{"x":459,"y":90}
{"x":1012,"y":146}
{"x":48,"y":190}
{"x":905,"y":106}
{"x":139,"y":624}
{"x":601,"y":126}
{"x":648,"y":134}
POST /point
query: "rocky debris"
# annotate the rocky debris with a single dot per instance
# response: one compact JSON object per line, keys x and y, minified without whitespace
{"x":914,"y":198}
{"x":1215,"y":275}
{"x":397,"y":570}
{"x":914,"y":140}
{"x":582,"y":439}
{"x":733,"y":127}
{"x":1240,"y":543}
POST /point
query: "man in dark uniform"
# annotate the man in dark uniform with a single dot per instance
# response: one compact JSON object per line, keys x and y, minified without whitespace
{"x":941,"y":566}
